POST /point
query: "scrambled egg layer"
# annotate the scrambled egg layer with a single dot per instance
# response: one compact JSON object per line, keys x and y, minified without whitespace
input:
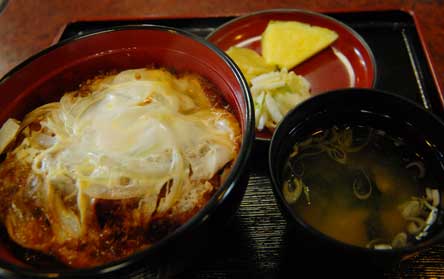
{"x":86,"y":178}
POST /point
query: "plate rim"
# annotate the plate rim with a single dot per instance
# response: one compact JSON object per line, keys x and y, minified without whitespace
{"x":346,"y":27}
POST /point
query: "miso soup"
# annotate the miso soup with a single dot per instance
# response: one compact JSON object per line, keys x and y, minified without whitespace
{"x":363,"y":186}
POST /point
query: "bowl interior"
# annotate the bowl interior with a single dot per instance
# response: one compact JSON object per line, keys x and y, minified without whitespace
{"x":62,"y":68}
{"x":46,"y":76}
{"x":364,"y":107}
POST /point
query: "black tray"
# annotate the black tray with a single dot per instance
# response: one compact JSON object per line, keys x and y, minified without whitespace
{"x":258,"y":243}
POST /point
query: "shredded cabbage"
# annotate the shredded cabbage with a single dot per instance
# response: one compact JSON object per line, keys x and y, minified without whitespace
{"x":274,"y":94}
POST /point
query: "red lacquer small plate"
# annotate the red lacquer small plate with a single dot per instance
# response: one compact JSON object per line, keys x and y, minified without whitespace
{"x":348,"y":62}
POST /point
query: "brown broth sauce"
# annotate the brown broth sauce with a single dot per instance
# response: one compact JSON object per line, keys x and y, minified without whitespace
{"x":367,"y":157}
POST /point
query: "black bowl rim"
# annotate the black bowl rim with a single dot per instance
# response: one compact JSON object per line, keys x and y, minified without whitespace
{"x":310,"y":229}
{"x":285,"y":10}
{"x":8,"y":269}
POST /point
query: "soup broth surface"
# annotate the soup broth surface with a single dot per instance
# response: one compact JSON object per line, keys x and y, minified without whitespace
{"x":362,"y":186}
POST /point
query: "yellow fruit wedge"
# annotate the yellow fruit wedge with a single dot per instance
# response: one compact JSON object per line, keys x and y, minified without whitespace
{"x":288,"y":43}
{"x":250,"y":62}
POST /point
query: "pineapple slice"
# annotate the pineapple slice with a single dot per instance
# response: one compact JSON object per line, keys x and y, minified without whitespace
{"x":250,"y":62}
{"x":288,"y":43}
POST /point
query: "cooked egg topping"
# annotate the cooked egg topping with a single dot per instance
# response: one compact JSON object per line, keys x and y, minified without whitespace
{"x":131,"y":135}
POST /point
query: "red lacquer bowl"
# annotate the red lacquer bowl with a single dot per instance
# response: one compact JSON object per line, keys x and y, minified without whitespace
{"x":326,"y":70}
{"x":46,"y":76}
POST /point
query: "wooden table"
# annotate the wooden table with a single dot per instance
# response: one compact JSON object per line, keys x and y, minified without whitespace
{"x":27,"y":26}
